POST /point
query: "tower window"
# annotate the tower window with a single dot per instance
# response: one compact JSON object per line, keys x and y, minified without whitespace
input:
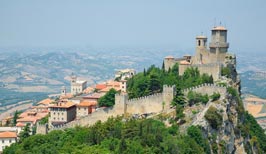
{"x":198,"y":42}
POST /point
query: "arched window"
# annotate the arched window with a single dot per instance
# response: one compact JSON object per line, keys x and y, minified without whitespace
{"x":198,"y":42}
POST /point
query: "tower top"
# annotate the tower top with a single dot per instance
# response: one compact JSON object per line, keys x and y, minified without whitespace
{"x":220,"y":28}
{"x":201,"y":37}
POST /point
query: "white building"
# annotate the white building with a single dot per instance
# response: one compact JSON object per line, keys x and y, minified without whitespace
{"x":125,"y":74}
{"x":6,"y":139}
{"x":77,"y":86}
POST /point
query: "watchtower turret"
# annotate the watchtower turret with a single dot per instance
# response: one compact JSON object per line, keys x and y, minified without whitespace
{"x":201,"y":47}
{"x":218,"y":42}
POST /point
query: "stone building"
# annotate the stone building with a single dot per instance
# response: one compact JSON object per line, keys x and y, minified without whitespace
{"x":85,"y":108}
{"x":61,"y":113}
{"x":77,"y":86}
{"x":208,"y":60}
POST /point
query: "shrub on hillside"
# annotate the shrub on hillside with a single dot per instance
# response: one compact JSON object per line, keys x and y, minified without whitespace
{"x":194,"y":98}
{"x":213,"y":117}
{"x":215,"y":96}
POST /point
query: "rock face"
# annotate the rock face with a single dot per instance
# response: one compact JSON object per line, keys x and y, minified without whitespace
{"x":224,"y":136}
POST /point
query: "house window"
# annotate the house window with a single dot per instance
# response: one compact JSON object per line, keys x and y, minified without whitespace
{"x":10,"y":141}
{"x":62,"y":118}
{"x":62,"y":113}
{"x":3,"y":141}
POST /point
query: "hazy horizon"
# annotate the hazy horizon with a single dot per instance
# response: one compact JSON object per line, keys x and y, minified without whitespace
{"x":130,"y":25}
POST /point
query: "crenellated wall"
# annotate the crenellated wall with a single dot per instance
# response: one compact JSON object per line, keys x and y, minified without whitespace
{"x":149,"y":104}
{"x":207,"y":89}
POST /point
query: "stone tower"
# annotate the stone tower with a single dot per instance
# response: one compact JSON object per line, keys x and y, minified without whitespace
{"x":63,"y":91}
{"x":218,"y":44}
{"x":201,"y":48}
{"x":73,"y":78}
{"x":168,"y":95}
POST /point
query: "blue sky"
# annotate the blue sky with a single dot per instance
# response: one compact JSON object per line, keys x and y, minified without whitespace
{"x":135,"y":24}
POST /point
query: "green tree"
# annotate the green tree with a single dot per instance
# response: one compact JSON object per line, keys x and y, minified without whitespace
{"x":108,"y":99}
{"x":25,"y":133}
{"x":214,"y":118}
{"x":16,"y":114}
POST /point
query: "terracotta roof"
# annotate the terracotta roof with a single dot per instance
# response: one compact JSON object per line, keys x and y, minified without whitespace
{"x":93,"y":96}
{"x":68,"y":95}
{"x":113,"y":84}
{"x":184,"y":62}
{"x":8,"y":135}
{"x":63,"y":105}
{"x":86,"y":104}
{"x":100,"y":86}
{"x":29,"y":119}
{"x":219,"y":28}
{"x":108,"y":88}
{"x":20,"y":124}
{"x":46,"y":101}
{"x":88,"y":90}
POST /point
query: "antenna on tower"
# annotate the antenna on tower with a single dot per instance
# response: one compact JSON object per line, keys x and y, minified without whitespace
{"x":220,"y":23}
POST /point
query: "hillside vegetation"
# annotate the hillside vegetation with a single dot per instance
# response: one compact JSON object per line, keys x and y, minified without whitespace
{"x":151,"y":81}
{"x":136,"y":136}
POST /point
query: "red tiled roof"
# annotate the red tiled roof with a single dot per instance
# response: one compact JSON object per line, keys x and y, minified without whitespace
{"x":100,"y":86}
{"x":19,"y":124}
{"x":63,"y":105}
{"x":8,"y":135}
{"x":46,"y":101}
{"x":86,"y":104}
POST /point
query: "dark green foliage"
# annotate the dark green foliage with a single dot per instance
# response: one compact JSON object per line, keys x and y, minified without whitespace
{"x":179,"y":98}
{"x":195,"y":133}
{"x":214,"y":118}
{"x":194,"y":98}
{"x":232,"y":91}
{"x":251,"y":128}
{"x":113,"y":136}
{"x":16,"y":114}
{"x":179,"y":111}
{"x":226,"y":72}
{"x":108,"y":99}
{"x":44,"y":120}
{"x":215,"y":96}
{"x":25,"y":133}
{"x":152,"y":80}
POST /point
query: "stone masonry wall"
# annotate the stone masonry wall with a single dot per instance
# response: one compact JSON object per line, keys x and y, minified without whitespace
{"x":149,"y":104}
{"x":152,"y":103}
{"x":210,"y":69}
{"x":207,"y":89}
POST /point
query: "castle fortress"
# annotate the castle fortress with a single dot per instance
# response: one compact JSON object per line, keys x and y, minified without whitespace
{"x":208,"y":60}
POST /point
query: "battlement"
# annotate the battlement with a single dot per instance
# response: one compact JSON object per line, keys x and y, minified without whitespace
{"x":207,"y":88}
{"x":143,"y":99}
